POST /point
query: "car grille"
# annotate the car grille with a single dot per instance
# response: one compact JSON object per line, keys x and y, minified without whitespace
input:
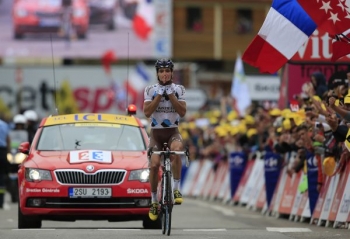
{"x":100,"y":177}
{"x":48,"y":14}
{"x":59,"y":202}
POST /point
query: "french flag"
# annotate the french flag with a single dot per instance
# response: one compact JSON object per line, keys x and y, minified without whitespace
{"x":286,"y":28}
{"x":136,"y":84}
{"x":143,"y":21}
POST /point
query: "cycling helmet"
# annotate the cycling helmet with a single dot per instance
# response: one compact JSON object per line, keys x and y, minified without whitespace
{"x":19,"y":119}
{"x":164,"y":63}
{"x":31,"y":115}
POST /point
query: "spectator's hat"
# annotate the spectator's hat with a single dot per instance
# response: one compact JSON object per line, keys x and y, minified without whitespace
{"x":249,"y":120}
{"x":251,"y":132}
{"x":242,"y":128}
{"x":275,"y":112}
{"x":234,"y":130}
{"x":220,"y":131}
{"x":285,"y":113}
{"x":232,"y":116}
{"x":347,"y":99}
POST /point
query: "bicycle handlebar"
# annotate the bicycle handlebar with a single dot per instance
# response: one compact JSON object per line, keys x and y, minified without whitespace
{"x":170,"y":152}
{"x":164,"y":152}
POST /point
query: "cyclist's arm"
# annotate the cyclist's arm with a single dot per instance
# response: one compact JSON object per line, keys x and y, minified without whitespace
{"x":179,"y":106}
{"x":150,"y":106}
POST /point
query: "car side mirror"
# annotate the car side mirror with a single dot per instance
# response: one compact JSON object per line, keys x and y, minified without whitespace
{"x":24,"y":147}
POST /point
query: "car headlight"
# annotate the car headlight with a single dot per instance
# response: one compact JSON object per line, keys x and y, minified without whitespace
{"x":140,"y":175}
{"x":16,"y":159}
{"x":33,"y":174}
{"x":21,"y":12}
{"x":78,"y":13}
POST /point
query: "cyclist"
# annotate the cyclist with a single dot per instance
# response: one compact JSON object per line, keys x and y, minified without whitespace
{"x":164,"y":103}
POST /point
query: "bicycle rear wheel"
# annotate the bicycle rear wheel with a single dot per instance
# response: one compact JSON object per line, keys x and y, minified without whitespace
{"x":167,"y":206}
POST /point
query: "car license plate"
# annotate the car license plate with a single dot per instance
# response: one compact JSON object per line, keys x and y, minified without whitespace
{"x":49,"y":22}
{"x":90,"y":192}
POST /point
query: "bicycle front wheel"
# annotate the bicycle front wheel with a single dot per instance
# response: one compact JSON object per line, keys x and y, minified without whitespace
{"x":166,"y":221}
{"x":167,"y":204}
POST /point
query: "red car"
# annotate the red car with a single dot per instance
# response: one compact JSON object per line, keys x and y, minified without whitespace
{"x":35,"y":16}
{"x":85,"y":167}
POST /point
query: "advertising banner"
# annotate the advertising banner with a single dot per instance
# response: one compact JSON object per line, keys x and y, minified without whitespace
{"x":312,"y":174}
{"x":326,"y":209}
{"x":237,"y":161}
{"x":250,"y":187}
{"x":263,"y":87}
{"x":85,"y":88}
{"x":321,"y":198}
{"x":344,"y":207}
{"x":318,"y":49}
{"x":242,"y":183}
{"x":132,"y":29}
{"x":272,"y":172}
{"x":338,"y":196}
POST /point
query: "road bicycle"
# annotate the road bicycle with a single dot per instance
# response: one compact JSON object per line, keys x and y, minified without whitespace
{"x":166,"y":194}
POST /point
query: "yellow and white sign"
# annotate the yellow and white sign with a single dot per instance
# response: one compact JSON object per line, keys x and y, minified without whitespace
{"x":91,"y":118}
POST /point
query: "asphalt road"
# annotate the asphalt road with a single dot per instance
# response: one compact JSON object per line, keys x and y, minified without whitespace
{"x":193,"y":219}
{"x":98,"y":41}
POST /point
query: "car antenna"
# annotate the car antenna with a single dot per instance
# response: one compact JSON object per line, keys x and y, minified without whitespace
{"x":127,"y":76}
{"x":54,"y":76}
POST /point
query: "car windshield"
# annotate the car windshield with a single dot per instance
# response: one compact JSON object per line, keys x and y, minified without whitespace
{"x":91,"y":136}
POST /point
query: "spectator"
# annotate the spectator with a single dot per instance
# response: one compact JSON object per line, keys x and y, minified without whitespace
{"x":5,"y":143}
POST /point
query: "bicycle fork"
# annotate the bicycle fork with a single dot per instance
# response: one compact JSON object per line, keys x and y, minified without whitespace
{"x":167,"y":180}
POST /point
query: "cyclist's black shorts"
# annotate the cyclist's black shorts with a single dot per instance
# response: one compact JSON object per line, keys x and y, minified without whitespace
{"x":160,"y":136}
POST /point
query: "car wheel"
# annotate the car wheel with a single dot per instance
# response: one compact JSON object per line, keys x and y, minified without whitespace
{"x":18,"y":35}
{"x":149,"y":224}
{"x":81,"y":35}
{"x":26,"y":221}
{"x":111,"y":25}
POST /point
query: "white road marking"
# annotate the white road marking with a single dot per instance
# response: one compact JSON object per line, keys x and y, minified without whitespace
{"x":205,"y":230}
{"x":118,"y":229}
{"x":225,"y":211}
{"x":10,"y":220}
{"x":39,"y":229}
{"x":287,"y":229}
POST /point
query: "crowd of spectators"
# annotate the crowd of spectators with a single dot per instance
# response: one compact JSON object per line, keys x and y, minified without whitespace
{"x":316,"y":123}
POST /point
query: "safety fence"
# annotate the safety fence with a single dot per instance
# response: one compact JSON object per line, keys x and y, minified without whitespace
{"x":263,"y":184}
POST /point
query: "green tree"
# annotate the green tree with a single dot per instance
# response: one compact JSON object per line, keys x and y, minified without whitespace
{"x":66,"y":103}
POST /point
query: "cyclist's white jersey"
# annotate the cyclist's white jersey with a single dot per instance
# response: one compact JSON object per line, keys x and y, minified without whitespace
{"x":165,"y":115}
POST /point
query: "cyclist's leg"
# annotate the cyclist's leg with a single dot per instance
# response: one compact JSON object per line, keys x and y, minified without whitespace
{"x":153,"y":177}
{"x":176,"y":144}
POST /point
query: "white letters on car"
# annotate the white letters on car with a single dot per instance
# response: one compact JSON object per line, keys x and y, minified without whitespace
{"x":136,"y":190}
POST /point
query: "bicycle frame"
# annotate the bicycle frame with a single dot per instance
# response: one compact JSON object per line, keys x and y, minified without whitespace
{"x":167,"y":196}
